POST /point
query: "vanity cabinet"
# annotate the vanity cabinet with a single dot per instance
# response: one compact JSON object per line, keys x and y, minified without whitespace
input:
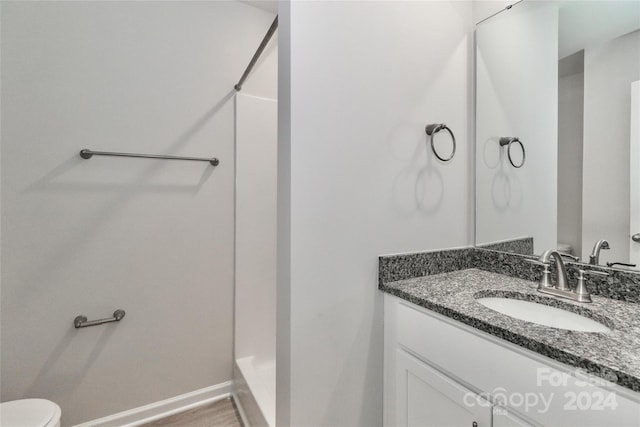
{"x":440,"y":372}
{"x":504,"y":418}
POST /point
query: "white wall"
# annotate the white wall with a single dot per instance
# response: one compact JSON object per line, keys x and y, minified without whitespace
{"x":516,"y":95}
{"x":570,"y":135}
{"x":609,"y":70}
{"x":89,"y":236}
{"x":357,"y":181}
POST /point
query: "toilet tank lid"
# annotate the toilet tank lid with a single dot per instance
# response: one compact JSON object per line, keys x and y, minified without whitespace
{"x":28,"y":413}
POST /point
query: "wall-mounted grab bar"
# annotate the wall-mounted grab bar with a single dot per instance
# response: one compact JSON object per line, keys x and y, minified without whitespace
{"x":435,"y":128}
{"x":87,"y":154}
{"x":508,"y":141}
{"x":82,"y":322}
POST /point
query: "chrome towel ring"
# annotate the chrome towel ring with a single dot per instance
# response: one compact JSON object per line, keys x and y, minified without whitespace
{"x":435,"y":128}
{"x":508,"y":141}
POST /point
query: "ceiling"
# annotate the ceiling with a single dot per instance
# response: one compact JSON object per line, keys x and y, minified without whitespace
{"x":268,"y":5}
{"x":586,"y":23}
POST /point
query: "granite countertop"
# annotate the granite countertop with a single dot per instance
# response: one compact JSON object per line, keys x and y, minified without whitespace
{"x":614,"y":356}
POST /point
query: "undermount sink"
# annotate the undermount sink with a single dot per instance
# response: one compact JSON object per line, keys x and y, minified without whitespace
{"x":543,"y":314}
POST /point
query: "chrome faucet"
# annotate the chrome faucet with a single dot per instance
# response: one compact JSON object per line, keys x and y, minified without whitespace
{"x":594,"y":258}
{"x":545,"y":258}
{"x":562,"y":288}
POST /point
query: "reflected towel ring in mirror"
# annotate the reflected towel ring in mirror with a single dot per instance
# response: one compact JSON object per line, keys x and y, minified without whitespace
{"x":508,"y":141}
{"x":435,"y":128}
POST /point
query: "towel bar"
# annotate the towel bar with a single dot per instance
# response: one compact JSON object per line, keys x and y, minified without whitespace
{"x":87,"y":154}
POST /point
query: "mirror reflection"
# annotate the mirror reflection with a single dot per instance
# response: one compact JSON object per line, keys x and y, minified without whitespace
{"x":563,"y":80}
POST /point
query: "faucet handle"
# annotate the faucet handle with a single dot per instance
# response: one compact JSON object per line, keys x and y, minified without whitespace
{"x":582,"y":294}
{"x":622,"y":264}
{"x":571,"y":257}
{"x":545,"y":279}
{"x":593,"y":273}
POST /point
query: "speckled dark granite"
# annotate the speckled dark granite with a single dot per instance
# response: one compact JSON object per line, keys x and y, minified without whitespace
{"x":509,"y":264}
{"x":623,"y":285}
{"x":406,"y":266}
{"x":454,"y":294}
{"x":523,"y":246}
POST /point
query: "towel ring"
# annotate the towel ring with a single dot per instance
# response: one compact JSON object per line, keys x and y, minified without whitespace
{"x":435,"y":128}
{"x":508,"y":141}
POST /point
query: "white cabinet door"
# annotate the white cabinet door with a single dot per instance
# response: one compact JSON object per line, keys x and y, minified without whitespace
{"x":425,"y":397}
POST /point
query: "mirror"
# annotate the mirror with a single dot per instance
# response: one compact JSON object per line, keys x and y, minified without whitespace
{"x":562,"y":77}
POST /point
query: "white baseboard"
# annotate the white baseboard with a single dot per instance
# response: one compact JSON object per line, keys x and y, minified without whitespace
{"x":243,"y":415}
{"x":164,"y":408}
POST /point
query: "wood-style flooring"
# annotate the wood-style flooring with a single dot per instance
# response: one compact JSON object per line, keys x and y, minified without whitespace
{"x":222,"y":413}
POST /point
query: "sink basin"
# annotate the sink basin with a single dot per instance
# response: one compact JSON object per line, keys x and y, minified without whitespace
{"x":543,"y":314}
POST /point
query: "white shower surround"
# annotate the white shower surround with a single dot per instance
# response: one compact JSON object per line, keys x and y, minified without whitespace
{"x":255,"y":257}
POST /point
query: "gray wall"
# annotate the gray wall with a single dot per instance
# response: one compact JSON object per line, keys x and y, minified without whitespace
{"x":89,"y":236}
{"x":609,"y":69}
{"x":570,"y":135}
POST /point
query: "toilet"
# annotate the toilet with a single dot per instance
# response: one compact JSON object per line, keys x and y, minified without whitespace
{"x":30,"y":413}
